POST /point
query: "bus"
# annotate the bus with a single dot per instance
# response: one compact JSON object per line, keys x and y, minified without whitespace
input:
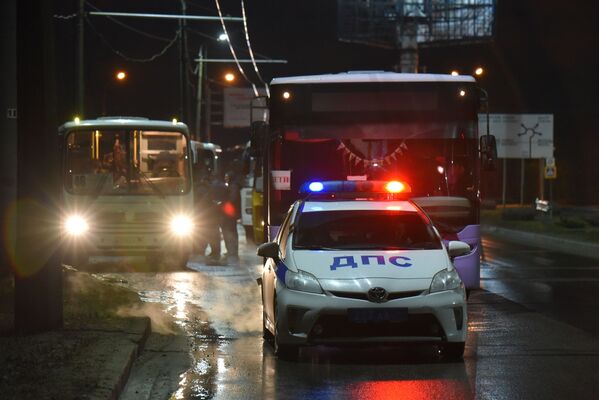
{"x":127,"y":189}
{"x":421,"y":129}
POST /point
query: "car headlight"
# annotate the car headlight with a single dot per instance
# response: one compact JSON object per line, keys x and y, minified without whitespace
{"x":76,"y":225}
{"x":302,"y":281}
{"x":181,"y":225}
{"x":445,"y":280}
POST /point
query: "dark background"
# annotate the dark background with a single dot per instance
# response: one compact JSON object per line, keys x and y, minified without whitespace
{"x":541,"y":60}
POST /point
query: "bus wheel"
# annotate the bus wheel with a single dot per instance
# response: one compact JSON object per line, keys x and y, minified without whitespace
{"x":182,"y":261}
{"x":249,"y":233}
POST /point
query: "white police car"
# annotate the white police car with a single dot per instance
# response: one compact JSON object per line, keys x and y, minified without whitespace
{"x":353,"y":262}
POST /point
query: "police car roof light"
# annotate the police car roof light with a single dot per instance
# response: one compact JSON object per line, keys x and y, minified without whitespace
{"x":315,"y":186}
{"x":330,"y":187}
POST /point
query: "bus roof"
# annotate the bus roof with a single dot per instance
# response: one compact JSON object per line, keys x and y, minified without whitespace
{"x":371,"y":76}
{"x":124,"y":122}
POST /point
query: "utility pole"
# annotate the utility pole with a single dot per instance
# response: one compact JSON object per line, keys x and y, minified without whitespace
{"x":38,"y":270}
{"x":183,"y":92}
{"x":80,"y":59}
{"x":198,"y":127}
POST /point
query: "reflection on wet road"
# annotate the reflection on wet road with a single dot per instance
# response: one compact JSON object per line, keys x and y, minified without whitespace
{"x":512,"y":352}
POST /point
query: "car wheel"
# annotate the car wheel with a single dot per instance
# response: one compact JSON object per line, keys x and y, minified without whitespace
{"x":453,"y":351}
{"x":286,"y":352}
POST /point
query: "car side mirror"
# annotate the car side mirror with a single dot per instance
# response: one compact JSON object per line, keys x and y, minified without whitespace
{"x":488,"y":152}
{"x":455,"y":248}
{"x":269,"y":250}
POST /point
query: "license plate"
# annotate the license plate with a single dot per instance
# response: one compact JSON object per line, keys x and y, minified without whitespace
{"x":365,"y":315}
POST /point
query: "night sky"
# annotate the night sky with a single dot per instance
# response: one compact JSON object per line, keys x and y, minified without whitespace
{"x":542,"y":60}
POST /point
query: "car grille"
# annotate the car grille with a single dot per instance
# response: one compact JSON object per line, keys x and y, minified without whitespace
{"x":338,"y":326}
{"x":364,"y":296}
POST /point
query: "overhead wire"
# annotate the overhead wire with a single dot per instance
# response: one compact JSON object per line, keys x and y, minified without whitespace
{"x":65,"y":17}
{"x":239,"y":67}
{"x":126,"y":57}
{"x":129,"y":27}
{"x":247,"y":39}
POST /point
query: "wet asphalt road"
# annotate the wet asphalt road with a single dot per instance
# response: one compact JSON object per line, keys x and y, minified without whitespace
{"x":533,"y":334}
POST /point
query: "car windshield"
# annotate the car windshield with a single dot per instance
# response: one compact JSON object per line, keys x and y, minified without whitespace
{"x":364,"y":230}
{"x":126,"y":162}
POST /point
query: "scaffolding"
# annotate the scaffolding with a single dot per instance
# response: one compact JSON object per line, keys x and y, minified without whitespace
{"x":382,"y":22}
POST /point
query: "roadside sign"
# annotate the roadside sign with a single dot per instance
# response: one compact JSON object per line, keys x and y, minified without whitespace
{"x":520,"y":135}
{"x":550,"y":172}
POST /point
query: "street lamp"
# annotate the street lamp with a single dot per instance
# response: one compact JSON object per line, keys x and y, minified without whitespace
{"x":223,"y":37}
{"x":121,"y":75}
{"x":454,"y":73}
{"x":229,"y":77}
{"x":479,"y":71}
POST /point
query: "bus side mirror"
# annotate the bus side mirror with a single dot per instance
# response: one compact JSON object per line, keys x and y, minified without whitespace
{"x":488,"y":152}
{"x":258,"y":134}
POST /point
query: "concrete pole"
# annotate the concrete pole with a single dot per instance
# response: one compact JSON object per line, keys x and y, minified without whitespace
{"x":38,"y":276}
{"x":80,"y":60}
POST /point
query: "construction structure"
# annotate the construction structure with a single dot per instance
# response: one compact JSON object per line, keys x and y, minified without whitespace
{"x":406,"y":25}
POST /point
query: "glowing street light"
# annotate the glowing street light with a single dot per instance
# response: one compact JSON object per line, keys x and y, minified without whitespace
{"x":479,"y":71}
{"x":223,"y":37}
{"x":454,"y":73}
{"x":229,"y":77}
{"x":121,"y":75}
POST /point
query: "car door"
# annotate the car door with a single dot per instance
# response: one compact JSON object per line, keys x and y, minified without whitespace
{"x":269,"y":270}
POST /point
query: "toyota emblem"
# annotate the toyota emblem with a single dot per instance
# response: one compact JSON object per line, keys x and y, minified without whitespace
{"x":377,"y":295}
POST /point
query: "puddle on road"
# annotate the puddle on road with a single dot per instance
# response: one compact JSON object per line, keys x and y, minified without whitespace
{"x":211,"y":311}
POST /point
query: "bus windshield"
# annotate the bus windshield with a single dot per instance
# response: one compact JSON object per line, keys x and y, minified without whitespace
{"x":424,"y":135}
{"x":126,"y":162}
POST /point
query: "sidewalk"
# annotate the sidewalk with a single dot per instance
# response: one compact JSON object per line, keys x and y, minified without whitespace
{"x":90,"y":358}
{"x":576,"y":232}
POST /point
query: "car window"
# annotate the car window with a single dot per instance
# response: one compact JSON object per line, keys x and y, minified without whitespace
{"x":364,"y":229}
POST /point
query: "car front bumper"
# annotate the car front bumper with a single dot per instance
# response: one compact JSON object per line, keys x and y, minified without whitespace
{"x":307,"y":318}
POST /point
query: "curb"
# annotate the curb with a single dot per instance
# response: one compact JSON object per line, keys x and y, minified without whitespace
{"x":124,"y":377}
{"x":568,"y":246}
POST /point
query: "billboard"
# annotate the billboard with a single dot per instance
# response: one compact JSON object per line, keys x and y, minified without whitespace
{"x":236,"y":107}
{"x":520,"y":135}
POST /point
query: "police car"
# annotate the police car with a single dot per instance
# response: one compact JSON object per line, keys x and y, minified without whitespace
{"x":358,"y":262}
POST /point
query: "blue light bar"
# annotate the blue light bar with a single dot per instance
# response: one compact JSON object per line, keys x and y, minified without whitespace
{"x":315,"y":186}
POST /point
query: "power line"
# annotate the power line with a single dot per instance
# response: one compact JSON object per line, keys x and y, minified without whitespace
{"x":126,"y":57}
{"x":139,"y":31}
{"x":241,"y":71}
{"x":207,"y":36}
{"x":247,"y":39}
{"x":65,"y":17}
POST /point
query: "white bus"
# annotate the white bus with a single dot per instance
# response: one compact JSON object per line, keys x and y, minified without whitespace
{"x":127,"y":189}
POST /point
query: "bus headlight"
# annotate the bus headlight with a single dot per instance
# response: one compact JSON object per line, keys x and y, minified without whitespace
{"x":181,"y":225}
{"x":445,"y":280}
{"x":76,"y":225}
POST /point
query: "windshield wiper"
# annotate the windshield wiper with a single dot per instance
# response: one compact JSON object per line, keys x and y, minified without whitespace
{"x":154,"y":187}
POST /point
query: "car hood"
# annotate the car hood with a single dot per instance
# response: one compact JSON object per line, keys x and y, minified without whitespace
{"x":404,"y":264}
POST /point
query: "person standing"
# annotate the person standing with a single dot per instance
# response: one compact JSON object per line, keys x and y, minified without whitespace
{"x":231,"y":212}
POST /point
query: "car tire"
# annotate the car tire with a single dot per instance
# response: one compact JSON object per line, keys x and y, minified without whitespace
{"x":453,"y":351}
